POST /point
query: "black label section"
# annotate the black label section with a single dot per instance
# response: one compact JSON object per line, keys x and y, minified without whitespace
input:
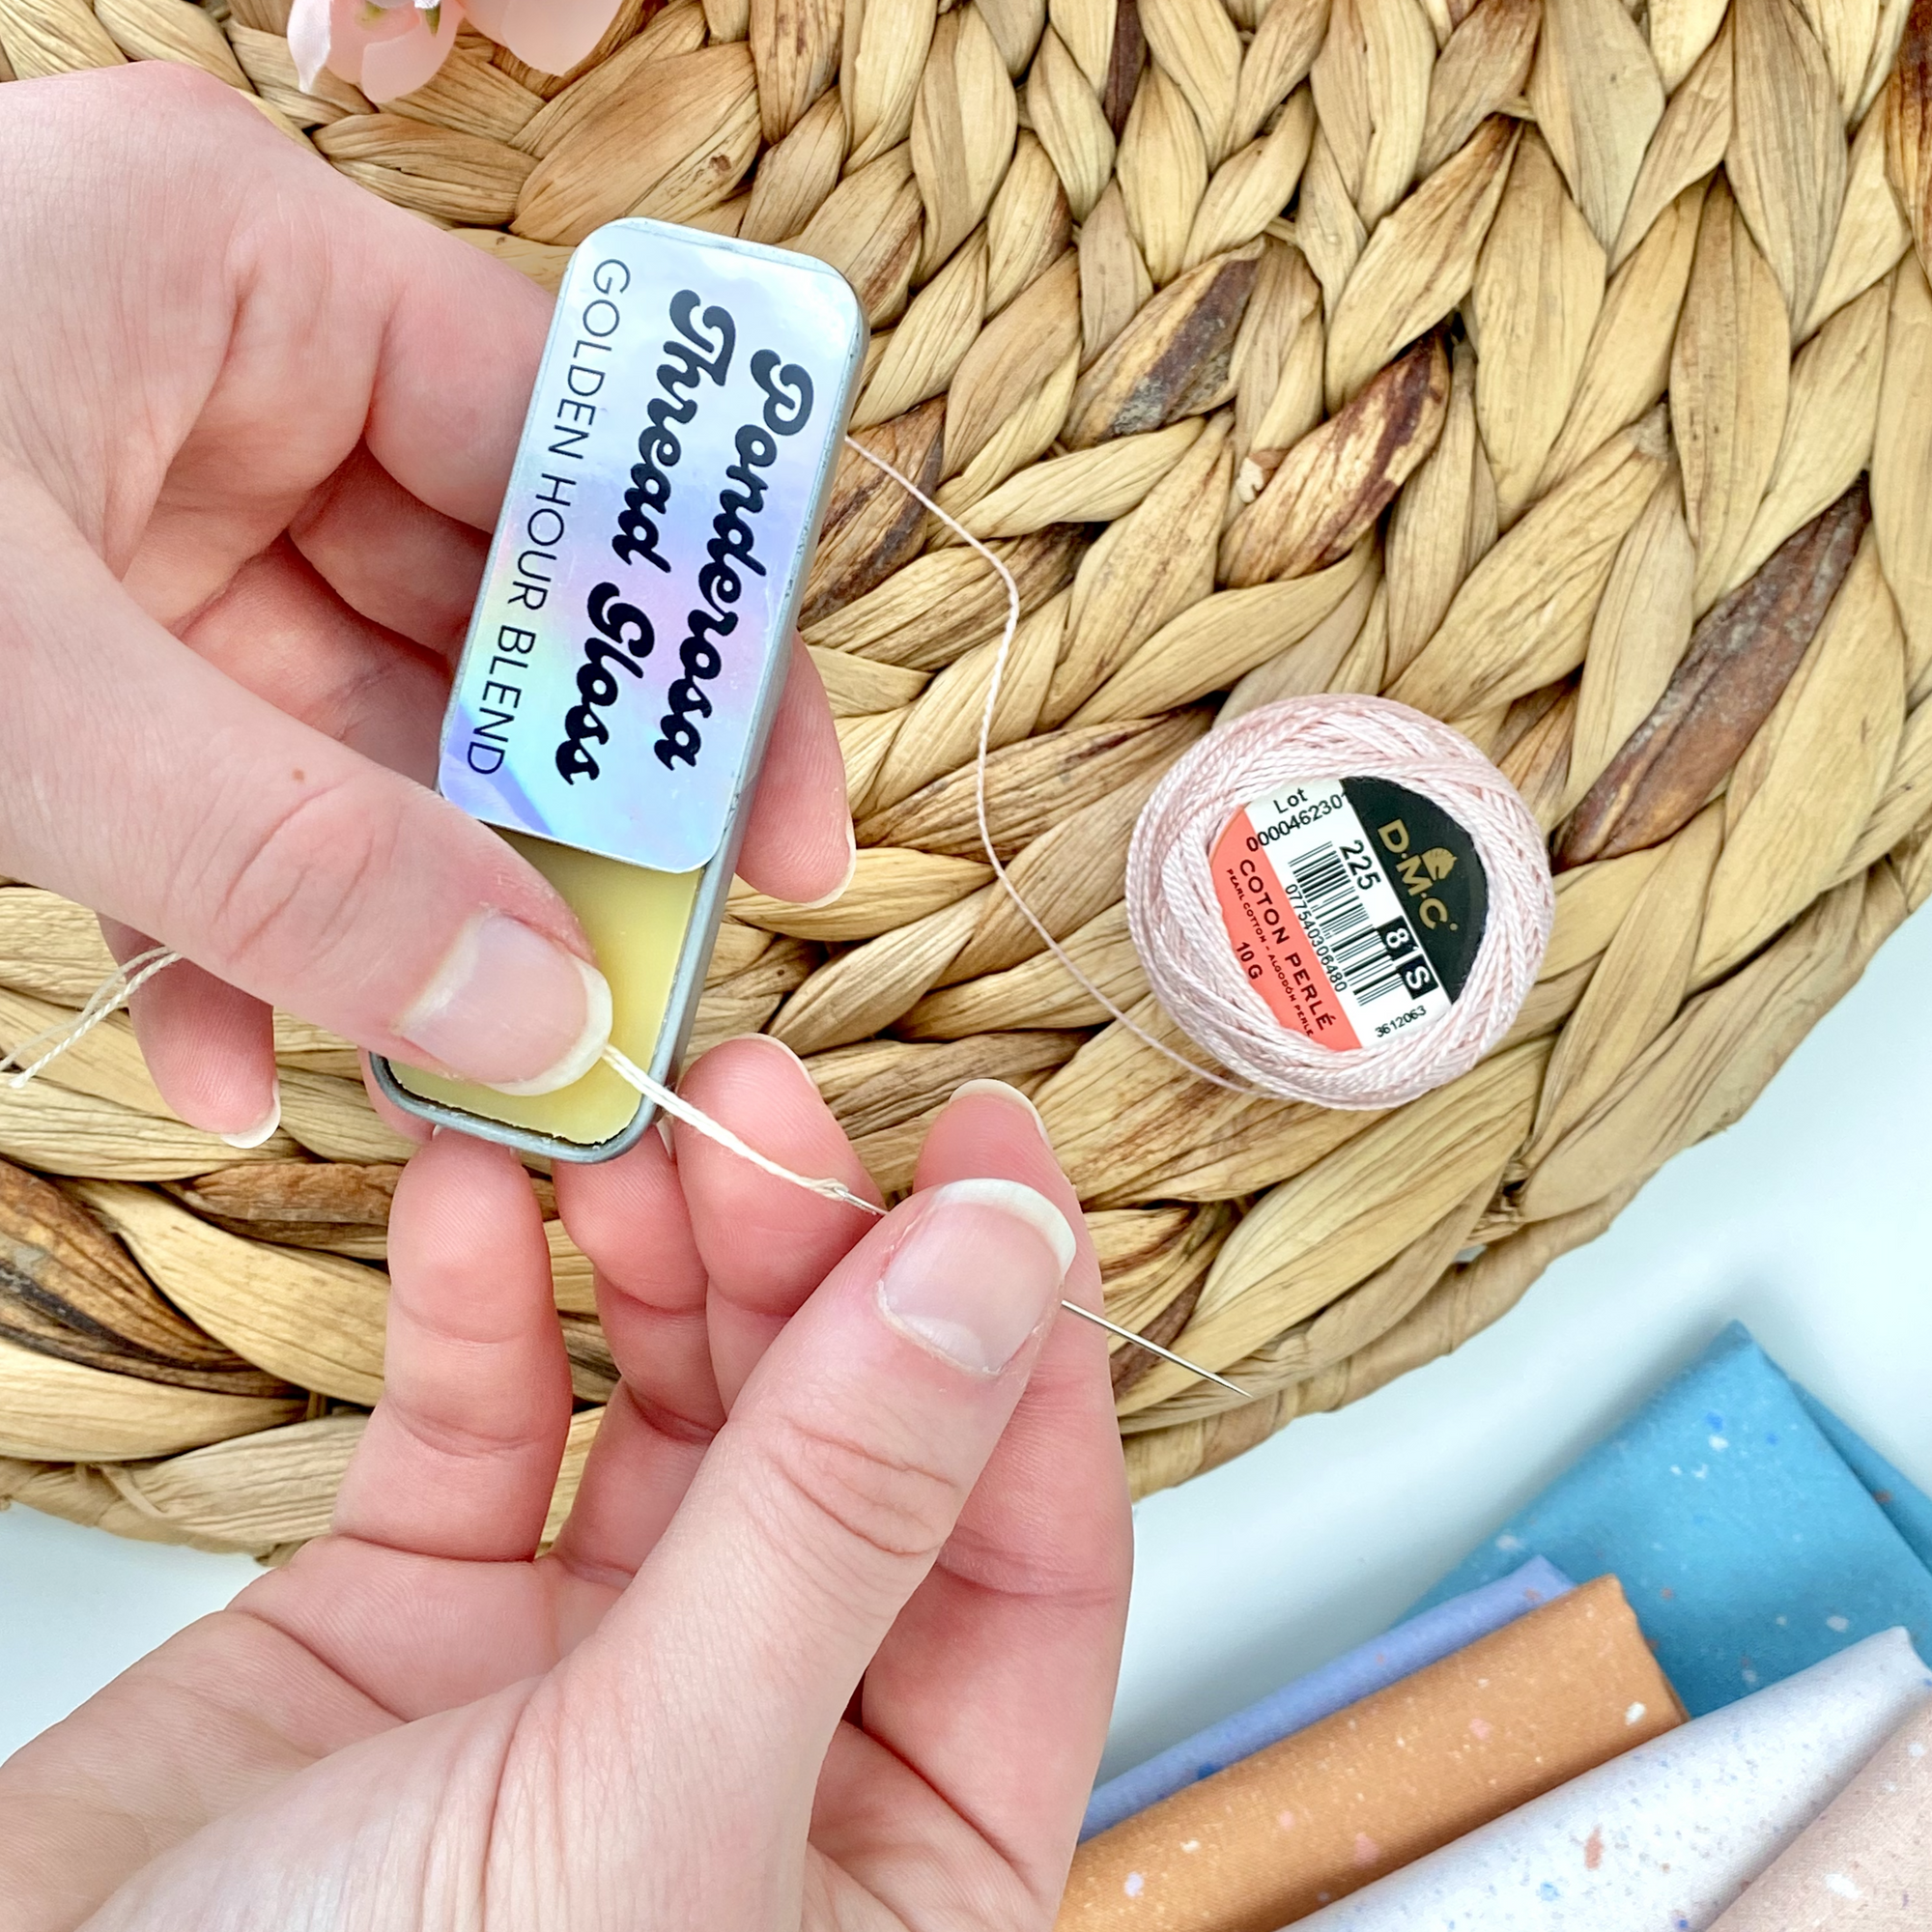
{"x":1430,"y":861}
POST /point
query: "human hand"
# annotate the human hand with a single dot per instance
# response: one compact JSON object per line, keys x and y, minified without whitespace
{"x":416,"y":1725}
{"x":255,"y":425}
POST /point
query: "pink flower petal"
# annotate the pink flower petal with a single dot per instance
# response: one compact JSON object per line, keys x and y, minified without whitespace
{"x":309,"y":40}
{"x":551,"y":36}
{"x":409,"y":61}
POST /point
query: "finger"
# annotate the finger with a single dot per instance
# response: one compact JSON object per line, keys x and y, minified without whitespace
{"x":629,"y":1216}
{"x":210,"y":1048}
{"x":826,"y":1498}
{"x":798,"y":843}
{"x":1027,"y":1604}
{"x":400,"y":564}
{"x":766,"y":1242}
{"x":447,"y":307}
{"x":144,"y":784}
{"x":278,"y":630}
{"x":462,"y":1453}
{"x":450,"y":446}
{"x":429,"y":348}
{"x":412,"y":1126}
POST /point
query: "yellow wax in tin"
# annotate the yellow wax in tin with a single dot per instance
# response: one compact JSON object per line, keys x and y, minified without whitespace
{"x":636,"y":922}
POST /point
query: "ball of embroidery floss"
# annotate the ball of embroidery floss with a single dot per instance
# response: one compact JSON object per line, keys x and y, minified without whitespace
{"x":1340,"y":898}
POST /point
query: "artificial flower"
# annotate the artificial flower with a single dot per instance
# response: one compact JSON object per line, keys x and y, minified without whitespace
{"x":387,"y":47}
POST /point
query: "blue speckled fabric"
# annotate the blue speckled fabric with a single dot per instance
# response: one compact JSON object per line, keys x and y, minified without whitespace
{"x":1907,"y":1508}
{"x":1749,"y":1546}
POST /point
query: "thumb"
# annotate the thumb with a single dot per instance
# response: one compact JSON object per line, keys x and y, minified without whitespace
{"x":824,"y":1501}
{"x":147,"y":785}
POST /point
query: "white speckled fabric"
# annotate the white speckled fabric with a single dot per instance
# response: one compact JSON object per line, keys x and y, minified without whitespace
{"x":1665,"y":1838}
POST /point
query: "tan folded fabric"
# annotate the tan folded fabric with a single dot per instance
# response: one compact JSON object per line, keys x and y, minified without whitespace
{"x":1866,"y":1860}
{"x":1270,"y":1839}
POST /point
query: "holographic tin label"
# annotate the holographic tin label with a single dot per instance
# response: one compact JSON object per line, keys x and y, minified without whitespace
{"x":632,"y":631}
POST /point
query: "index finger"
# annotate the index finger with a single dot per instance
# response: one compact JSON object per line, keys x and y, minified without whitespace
{"x":766,"y":1242}
{"x":460,"y":336}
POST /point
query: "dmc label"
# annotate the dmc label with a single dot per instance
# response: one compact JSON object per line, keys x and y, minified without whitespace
{"x":1355,"y":906}
{"x":636,"y":610}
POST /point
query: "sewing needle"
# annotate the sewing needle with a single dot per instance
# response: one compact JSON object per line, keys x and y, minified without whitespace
{"x":1166,"y":1354}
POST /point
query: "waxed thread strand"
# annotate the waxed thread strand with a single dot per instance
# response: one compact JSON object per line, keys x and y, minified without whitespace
{"x":1026,"y":912}
{"x":114,"y":993}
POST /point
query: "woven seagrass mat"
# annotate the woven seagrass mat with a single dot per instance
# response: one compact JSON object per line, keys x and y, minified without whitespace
{"x":1563,"y":371}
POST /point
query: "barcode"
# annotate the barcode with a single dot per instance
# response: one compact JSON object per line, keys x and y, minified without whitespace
{"x":1332,"y":909}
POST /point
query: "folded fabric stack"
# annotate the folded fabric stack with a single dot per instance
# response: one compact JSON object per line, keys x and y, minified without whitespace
{"x":1516,"y":1753}
{"x":1383,"y":1661}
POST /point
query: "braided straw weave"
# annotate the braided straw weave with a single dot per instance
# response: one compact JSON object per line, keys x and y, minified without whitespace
{"x":1565,"y":374}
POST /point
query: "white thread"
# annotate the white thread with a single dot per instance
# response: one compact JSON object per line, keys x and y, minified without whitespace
{"x":666,"y":1098}
{"x":681,"y":1109}
{"x":1163,"y":842}
{"x":828,"y":1189}
{"x":113,"y":993}
{"x":1175,"y":916}
{"x":120,"y":985}
{"x":1026,"y":912}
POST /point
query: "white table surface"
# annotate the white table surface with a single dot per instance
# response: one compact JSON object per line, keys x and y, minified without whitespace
{"x":1807,"y":1221}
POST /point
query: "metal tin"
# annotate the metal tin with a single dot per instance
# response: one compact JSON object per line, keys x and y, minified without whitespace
{"x":632,"y":635}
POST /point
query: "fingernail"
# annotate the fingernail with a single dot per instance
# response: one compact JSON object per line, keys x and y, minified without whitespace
{"x":771,"y":1041}
{"x":263,"y":1128}
{"x":978,"y":1272}
{"x":1005,"y":1092}
{"x":766,"y":1041}
{"x":838,"y":891}
{"x":512,"y":1009}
